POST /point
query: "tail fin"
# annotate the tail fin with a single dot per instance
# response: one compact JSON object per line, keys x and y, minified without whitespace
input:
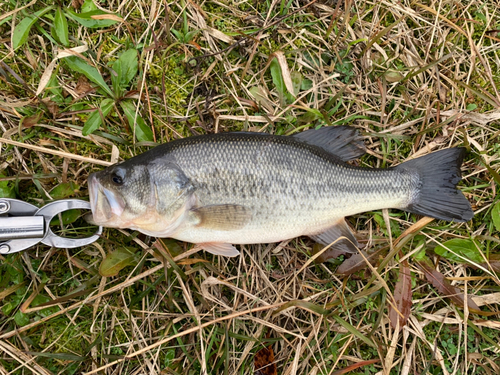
{"x":437,"y":195}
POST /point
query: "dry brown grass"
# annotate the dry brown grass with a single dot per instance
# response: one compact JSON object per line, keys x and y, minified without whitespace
{"x":412,"y":76}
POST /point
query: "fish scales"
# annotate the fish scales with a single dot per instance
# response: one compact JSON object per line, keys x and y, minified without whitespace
{"x":240,"y":188}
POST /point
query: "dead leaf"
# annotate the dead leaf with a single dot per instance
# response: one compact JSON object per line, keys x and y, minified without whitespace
{"x":44,"y":80}
{"x":285,"y":72}
{"x":487,"y":299}
{"x":444,"y":287}
{"x":185,"y":262}
{"x":261,"y":98}
{"x":111,"y":17}
{"x":75,"y":51}
{"x":403,"y":297}
{"x":195,"y":45}
{"x":220,"y":35}
{"x":355,"y":366}
{"x":51,"y":106}
{"x":116,"y":261}
{"x":264,"y":362}
{"x":76,"y":4}
{"x":357,"y":262}
{"x":495,"y":266}
{"x":82,"y":265}
{"x":479,"y":118}
{"x":83,"y":87}
{"x":30,"y":121}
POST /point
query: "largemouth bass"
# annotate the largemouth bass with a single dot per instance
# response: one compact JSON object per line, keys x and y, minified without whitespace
{"x":242,"y":188}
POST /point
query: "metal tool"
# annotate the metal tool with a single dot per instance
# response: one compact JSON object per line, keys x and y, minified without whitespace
{"x":23,"y":225}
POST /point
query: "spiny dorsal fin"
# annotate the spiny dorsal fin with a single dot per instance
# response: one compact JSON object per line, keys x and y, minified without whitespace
{"x":342,"y":141}
{"x":222,"y":216}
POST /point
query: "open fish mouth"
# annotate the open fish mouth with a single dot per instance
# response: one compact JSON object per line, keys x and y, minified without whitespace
{"x":104,"y":203}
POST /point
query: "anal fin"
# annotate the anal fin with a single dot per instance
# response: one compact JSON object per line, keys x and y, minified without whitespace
{"x":220,"y":248}
{"x":347,"y":245}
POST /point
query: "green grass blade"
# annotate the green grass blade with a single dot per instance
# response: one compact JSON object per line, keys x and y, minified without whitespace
{"x":354,"y":331}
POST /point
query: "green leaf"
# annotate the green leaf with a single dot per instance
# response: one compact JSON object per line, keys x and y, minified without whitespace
{"x":6,"y":188}
{"x":7,"y":308}
{"x":61,"y":191}
{"x":61,"y":27}
{"x":22,"y":29}
{"x":392,"y":76}
{"x":179,"y":35}
{"x":460,"y":249}
{"x":143,"y":132}
{"x":95,"y":120}
{"x":495,"y":215}
{"x":395,"y":230}
{"x":64,"y":190}
{"x":116,"y":75}
{"x":116,"y":261}
{"x":125,"y":69}
{"x":169,"y":357}
{"x":278,"y":80}
{"x":173,"y":246}
{"x":311,"y":115}
{"x":306,"y":84}
{"x":190,"y":35}
{"x":87,"y":6}
{"x":296,"y":81}
{"x":68,"y":217}
{"x":41,"y":299}
{"x":86,"y":19}
{"x":80,"y":66}
{"x":21,"y":319}
{"x":55,"y":90}
{"x":130,"y":65}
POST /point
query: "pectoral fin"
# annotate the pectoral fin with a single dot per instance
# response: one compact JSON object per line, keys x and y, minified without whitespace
{"x":349,"y":245}
{"x":217,"y":248}
{"x":222,"y":216}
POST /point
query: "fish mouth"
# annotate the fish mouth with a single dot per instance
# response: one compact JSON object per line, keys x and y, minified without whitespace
{"x":93,"y":192}
{"x":106,"y":206}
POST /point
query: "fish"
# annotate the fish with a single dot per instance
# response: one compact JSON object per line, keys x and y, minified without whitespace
{"x":220,"y":190}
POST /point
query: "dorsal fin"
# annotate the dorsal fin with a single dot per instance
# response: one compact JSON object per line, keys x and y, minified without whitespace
{"x":342,"y":141}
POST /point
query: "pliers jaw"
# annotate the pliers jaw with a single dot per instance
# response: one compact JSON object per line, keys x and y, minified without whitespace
{"x":23,"y":225}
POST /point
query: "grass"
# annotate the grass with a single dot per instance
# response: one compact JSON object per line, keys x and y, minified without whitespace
{"x":413,"y":77}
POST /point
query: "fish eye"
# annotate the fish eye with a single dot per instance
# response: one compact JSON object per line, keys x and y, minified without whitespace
{"x":117,"y":177}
